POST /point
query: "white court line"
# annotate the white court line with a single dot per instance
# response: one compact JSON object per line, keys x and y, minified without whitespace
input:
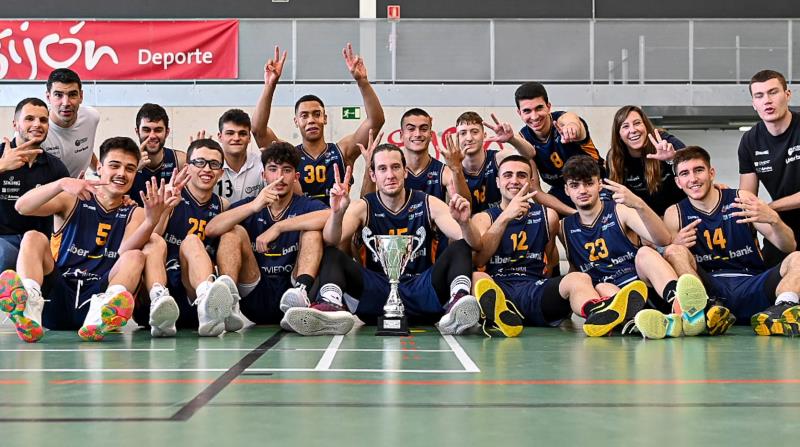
{"x":89,"y":350}
{"x":330,"y":353}
{"x":214,"y":370}
{"x":325,"y":349}
{"x":469,"y":365}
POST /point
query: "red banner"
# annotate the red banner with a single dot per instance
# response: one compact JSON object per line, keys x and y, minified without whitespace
{"x":120,"y":50}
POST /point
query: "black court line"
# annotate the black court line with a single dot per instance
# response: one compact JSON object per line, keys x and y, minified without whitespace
{"x":183,"y":414}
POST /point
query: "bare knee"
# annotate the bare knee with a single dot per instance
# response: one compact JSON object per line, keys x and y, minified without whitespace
{"x":790,"y":263}
{"x":644,"y":256}
{"x":156,"y":245}
{"x":132,"y":258}
{"x":676,"y":252}
{"x":191,"y":244}
{"x":34,"y":239}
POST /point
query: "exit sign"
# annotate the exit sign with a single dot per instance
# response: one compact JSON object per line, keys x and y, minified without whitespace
{"x":351,"y":113}
{"x":393,"y":12}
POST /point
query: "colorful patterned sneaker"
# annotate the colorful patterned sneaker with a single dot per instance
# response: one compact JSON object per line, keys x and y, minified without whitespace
{"x":164,"y":314}
{"x":214,"y":305}
{"x":496,"y":310}
{"x":692,"y":299}
{"x":779,"y":319}
{"x":294,"y":297}
{"x":654,"y":325}
{"x":24,"y":310}
{"x":620,"y":308}
{"x":461,"y":313}
{"x":719,"y":319}
{"x":322,"y":318}
{"x":107,"y":313}
{"x":235,"y":321}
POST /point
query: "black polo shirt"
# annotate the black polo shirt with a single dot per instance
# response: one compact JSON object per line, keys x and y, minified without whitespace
{"x":13,"y":184}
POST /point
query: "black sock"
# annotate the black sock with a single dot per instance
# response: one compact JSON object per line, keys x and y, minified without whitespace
{"x":669,"y":291}
{"x":305,"y":281}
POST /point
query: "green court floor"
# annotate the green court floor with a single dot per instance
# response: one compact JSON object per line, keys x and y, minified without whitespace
{"x":269,"y":387}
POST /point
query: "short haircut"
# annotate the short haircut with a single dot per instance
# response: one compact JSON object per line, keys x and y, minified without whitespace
{"x":530,"y":90}
{"x":387,"y":147}
{"x":515,"y":157}
{"x":235,"y":116}
{"x":152,"y":112}
{"x":280,"y":152}
{"x":124,"y":144}
{"x":690,"y":153}
{"x":582,"y":168}
{"x":307,"y":98}
{"x":764,"y":76}
{"x":64,"y":76}
{"x":35,"y":101}
{"x":469,"y":118}
{"x":416,"y":111}
{"x":207,"y":143}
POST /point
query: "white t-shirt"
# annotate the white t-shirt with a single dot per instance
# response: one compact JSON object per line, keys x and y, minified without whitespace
{"x":248,"y":182}
{"x":74,"y":145}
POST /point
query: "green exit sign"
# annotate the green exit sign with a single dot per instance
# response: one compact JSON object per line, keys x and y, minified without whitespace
{"x":351,"y":113}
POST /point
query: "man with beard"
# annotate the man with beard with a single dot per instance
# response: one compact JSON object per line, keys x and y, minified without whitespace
{"x":72,"y":126}
{"x":317,"y":157}
{"x":152,"y":128}
{"x":93,"y":258}
{"x":242,"y":171}
{"x":24,"y":166}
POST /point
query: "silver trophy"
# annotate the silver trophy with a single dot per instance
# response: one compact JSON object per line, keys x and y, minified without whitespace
{"x":393,"y":252}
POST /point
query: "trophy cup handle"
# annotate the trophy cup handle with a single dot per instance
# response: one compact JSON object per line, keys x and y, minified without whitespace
{"x":419,"y":239}
{"x":369,"y":241}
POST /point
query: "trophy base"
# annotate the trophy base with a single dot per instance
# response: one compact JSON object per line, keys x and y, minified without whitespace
{"x":397,"y":326}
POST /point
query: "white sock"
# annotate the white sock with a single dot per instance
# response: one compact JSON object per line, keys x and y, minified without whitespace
{"x":157,"y":291}
{"x":460,"y":283}
{"x":332,"y":294}
{"x":31,"y":286}
{"x":115,"y":289}
{"x":788,"y":297}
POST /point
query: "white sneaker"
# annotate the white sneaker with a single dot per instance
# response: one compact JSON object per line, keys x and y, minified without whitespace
{"x":235,"y":322}
{"x":463,"y":314}
{"x":320,"y":319}
{"x":107,"y":313}
{"x":294,"y":297}
{"x":214,"y":305}
{"x":164,"y":314}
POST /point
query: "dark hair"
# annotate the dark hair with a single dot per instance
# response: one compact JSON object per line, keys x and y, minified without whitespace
{"x":690,"y":153}
{"x":416,"y":111}
{"x":387,"y":147}
{"x":124,"y":144}
{"x":307,"y":98}
{"x":469,"y":118}
{"x":152,"y":112}
{"x":64,"y":76}
{"x":582,"y":168}
{"x":235,"y":116}
{"x":514,"y":157}
{"x":280,"y":152}
{"x":207,"y":143}
{"x":764,"y":76}
{"x":616,"y":155}
{"x":35,"y":101}
{"x":530,"y":90}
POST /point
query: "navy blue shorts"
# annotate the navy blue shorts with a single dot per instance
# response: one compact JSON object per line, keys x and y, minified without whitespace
{"x":744,"y":294}
{"x":61,"y":313}
{"x":528,"y":293}
{"x":262,"y":305}
{"x":417,"y":293}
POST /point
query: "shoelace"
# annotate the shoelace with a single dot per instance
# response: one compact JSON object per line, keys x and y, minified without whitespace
{"x":630,"y":328}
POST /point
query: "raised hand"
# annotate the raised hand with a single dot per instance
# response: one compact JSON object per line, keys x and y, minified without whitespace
{"x":520,"y":204}
{"x":664,"y":149}
{"x":153,"y":199}
{"x":81,"y":188}
{"x":623,"y":195}
{"x":355,"y":64}
{"x":340,"y":192}
{"x":754,"y":210}
{"x":368,"y":151}
{"x":687,"y":236}
{"x":274,"y":67}
{"x":175,"y":186}
{"x":266,"y":238}
{"x":568,"y":131}
{"x":503,"y":132}
{"x":198,"y":136}
{"x":453,"y":155}
{"x":267,"y":196}
{"x":144,"y":156}
{"x":15,"y":158}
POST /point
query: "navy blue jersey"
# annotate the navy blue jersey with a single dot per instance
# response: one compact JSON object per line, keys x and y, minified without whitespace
{"x":163,"y":171}
{"x":601,"y":249}
{"x":722,"y":243}
{"x":483,"y":184}
{"x":281,"y":256}
{"x":552,"y":154}
{"x":316,"y":174}
{"x":414,"y":214}
{"x":86,"y":246}
{"x":429,"y":180}
{"x":190,"y":217}
{"x":522,"y":246}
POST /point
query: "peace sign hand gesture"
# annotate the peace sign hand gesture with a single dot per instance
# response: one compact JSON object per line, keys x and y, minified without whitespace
{"x":503,"y":132}
{"x":16,"y":157}
{"x":274,"y":67}
{"x":355,"y":64}
{"x":340,"y":192}
{"x":623,"y":195}
{"x":664,"y":149}
{"x":519,"y":205}
{"x":372,"y":144}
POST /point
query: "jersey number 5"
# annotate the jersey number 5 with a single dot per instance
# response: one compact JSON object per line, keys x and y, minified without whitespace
{"x":102,"y":234}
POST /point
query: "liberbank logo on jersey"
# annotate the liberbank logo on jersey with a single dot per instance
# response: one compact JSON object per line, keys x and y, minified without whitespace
{"x":120,"y":50}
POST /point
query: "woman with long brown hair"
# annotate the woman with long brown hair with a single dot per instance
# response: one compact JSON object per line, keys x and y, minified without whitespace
{"x":640,"y":158}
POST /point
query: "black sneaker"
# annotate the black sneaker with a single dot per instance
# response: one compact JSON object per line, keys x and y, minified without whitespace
{"x":621,"y":308}
{"x":780,"y":319}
